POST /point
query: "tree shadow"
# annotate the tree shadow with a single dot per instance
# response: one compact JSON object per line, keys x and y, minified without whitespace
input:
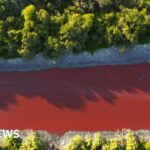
{"x":73,"y":88}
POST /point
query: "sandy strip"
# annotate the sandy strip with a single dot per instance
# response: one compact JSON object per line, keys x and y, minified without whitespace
{"x":94,"y":98}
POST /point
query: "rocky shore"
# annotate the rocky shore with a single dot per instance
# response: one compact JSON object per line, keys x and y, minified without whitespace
{"x":109,"y":56}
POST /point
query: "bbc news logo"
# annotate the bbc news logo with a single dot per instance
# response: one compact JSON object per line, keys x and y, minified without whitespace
{"x":9,"y":133}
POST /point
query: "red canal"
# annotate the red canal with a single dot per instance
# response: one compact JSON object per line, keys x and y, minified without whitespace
{"x":94,"y":98}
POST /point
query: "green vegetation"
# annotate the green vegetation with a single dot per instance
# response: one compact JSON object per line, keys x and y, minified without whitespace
{"x":97,"y":142}
{"x":128,"y":140}
{"x":52,"y":27}
{"x":31,"y":142}
{"x":11,"y":143}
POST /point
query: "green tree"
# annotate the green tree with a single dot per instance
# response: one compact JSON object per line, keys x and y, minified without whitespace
{"x":11,"y":143}
{"x":133,"y":23}
{"x":74,"y":33}
{"x":131,"y":141}
{"x":76,"y":143}
{"x":30,"y":43}
{"x":29,"y":12}
{"x":32,"y":142}
{"x":97,"y":141}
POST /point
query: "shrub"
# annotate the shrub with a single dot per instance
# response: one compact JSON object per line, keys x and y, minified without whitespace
{"x":133,"y":23}
{"x":114,"y":144}
{"x":88,"y":142}
{"x":53,"y":27}
{"x":97,"y":141}
{"x":131,"y":141}
{"x":11,"y":143}
{"x":30,"y":44}
{"x":147,"y":146}
{"x":128,"y":142}
{"x":29,"y":12}
{"x":32,"y":142}
{"x":76,"y":143}
{"x":74,"y":33}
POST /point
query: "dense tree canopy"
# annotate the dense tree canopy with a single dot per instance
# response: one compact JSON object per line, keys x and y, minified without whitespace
{"x":52,"y":27}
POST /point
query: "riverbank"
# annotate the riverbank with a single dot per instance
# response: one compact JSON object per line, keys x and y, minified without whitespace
{"x":59,"y":142}
{"x":108,"y":56}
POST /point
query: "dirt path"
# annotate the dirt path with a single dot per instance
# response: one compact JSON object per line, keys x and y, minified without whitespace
{"x":58,"y":100}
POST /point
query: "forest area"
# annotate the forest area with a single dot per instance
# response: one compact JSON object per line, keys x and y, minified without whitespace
{"x":53,"y":27}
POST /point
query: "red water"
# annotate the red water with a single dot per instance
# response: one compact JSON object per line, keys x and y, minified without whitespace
{"x":94,"y":98}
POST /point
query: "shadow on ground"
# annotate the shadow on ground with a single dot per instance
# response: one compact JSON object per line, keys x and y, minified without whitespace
{"x":73,"y":88}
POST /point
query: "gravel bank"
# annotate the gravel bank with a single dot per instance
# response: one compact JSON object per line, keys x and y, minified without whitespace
{"x":108,"y":56}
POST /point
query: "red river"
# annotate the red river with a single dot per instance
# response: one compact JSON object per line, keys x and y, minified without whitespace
{"x":92,"y":98}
